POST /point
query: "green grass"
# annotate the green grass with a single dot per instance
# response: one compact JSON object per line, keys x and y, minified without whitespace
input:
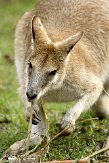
{"x":13,"y":125}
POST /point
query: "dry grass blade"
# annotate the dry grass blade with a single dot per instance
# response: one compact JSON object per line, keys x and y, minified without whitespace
{"x":97,"y":152}
{"x":106,"y":92}
{"x":29,"y":127}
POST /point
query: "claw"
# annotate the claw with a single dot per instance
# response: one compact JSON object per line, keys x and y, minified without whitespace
{"x":67,"y":127}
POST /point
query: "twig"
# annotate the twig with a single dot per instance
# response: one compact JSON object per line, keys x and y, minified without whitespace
{"x":96,"y":153}
{"x":33,"y":160}
{"x":89,"y":119}
{"x":69,"y":161}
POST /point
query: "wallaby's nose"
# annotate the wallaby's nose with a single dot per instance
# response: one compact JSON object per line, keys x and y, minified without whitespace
{"x":31,"y":97}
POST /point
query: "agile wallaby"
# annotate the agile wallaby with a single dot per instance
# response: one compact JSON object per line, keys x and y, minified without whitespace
{"x":62,"y":54}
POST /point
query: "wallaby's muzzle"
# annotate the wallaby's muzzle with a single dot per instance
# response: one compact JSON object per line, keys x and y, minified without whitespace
{"x":30,"y":96}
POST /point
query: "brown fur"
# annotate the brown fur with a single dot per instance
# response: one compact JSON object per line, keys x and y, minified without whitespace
{"x":82,"y":69}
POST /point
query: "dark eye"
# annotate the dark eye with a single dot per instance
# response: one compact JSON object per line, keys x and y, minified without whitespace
{"x":30,"y":65}
{"x":52,"y":73}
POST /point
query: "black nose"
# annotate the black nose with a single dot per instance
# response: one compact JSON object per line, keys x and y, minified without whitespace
{"x":31,"y":97}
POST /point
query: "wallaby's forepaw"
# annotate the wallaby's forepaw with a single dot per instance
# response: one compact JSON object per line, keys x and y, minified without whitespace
{"x":35,"y":117}
{"x":17,"y":148}
{"x":20,"y":146}
{"x":68,"y":125}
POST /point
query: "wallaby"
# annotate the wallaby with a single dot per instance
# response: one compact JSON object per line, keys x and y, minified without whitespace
{"x":62,"y":54}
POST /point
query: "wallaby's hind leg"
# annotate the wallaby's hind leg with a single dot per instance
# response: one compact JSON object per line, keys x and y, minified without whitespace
{"x":101,"y":108}
{"x":39,"y":131}
{"x":106,"y":144}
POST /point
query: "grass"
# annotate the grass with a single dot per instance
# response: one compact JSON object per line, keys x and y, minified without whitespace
{"x":13,"y":125}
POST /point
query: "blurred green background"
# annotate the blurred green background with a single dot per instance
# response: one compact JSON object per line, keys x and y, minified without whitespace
{"x":13,"y":126}
{"x":12,"y":120}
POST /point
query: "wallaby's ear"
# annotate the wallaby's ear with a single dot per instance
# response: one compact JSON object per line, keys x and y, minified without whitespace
{"x":38,"y":31}
{"x":69,"y":43}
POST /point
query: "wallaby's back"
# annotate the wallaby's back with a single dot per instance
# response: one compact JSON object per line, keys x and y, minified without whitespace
{"x":65,"y":17}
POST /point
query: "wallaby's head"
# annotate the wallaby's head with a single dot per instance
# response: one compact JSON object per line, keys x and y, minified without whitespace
{"x":46,"y":67}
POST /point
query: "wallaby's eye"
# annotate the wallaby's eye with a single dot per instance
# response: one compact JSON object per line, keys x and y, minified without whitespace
{"x":52,"y":73}
{"x":30,"y":65}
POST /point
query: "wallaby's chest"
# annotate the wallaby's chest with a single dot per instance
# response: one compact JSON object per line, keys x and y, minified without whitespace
{"x":66,"y":93}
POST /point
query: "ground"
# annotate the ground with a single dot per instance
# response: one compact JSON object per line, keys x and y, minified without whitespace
{"x":13,"y":126}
